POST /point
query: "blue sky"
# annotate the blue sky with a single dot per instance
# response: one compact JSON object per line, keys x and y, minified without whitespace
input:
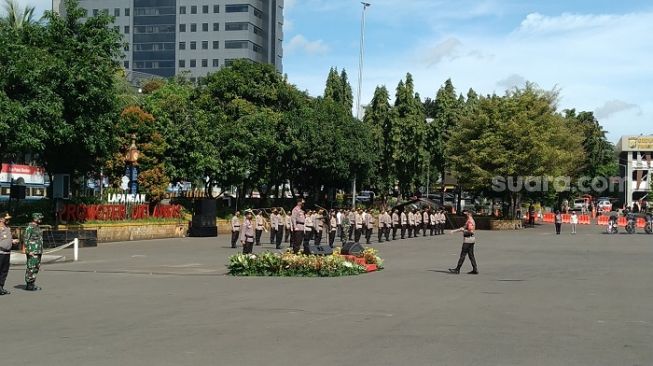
{"x":598,"y":53}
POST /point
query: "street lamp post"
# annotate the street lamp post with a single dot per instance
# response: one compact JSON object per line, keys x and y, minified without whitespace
{"x":360,"y":60}
{"x":360,"y":85}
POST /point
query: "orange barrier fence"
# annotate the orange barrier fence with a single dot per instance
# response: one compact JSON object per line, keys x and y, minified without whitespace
{"x":549,"y":217}
{"x":584,"y":219}
{"x":603,"y":220}
{"x":641,"y":222}
{"x":622,"y":221}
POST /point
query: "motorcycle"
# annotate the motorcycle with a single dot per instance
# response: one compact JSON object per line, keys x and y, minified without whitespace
{"x":613,"y":227}
{"x":631,"y":224}
{"x":648,"y":228}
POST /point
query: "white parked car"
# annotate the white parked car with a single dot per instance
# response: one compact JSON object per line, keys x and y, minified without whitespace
{"x":604,"y":205}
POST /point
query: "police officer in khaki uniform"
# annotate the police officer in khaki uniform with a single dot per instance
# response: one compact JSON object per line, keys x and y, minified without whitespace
{"x":235,"y":229}
{"x":358,"y":222}
{"x":395,"y":224}
{"x":333,"y":228}
{"x":404,"y":224}
{"x":298,"y":219}
{"x":6,"y":242}
{"x":248,"y":232}
{"x":260,"y":226}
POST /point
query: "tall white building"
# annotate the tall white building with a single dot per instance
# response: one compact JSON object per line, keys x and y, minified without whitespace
{"x":193,"y":37}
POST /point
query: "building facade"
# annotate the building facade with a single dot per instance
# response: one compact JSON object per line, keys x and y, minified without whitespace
{"x":636,"y":167}
{"x":193,"y":37}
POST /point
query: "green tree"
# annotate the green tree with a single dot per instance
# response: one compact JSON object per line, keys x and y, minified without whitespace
{"x":16,"y":17}
{"x":513,"y":137}
{"x":379,"y":116}
{"x":408,"y":135}
{"x":338,"y":89}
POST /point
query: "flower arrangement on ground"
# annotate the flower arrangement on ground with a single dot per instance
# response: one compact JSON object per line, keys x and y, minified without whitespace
{"x":288,"y":264}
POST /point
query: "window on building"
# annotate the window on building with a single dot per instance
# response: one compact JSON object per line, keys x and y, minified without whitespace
{"x":105,"y":11}
{"x":235,"y":44}
{"x":182,"y":27}
{"x":205,"y":27}
{"x":116,"y":28}
{"x":205,"y":9}
{"x":193,"y":27}
{"x":126,"y":29}
{"x":182,"y":63}
{"x":126,"y":48}
{"x":216,"y":27}
{"x":228,"y":61}
{"x":193,"y":45}
{"x":193,"y":80}
{"x":258,"y":31}
{"x":116,"y":12}
{"x":182,"y":45}
{"x":239,"y":8}
{"x":216,"y":45}
{"x":235,"y":26}
{"x":205,"y":62}
{"x":125,"y":64}
{"x":127,"y":12}
{"x":258,"y":13}
{"x":257,"y":48}
{"x":193,"y":63}
{"x":205,"y":45}
{"x":193,"y":9}
{"x":95,"y":12}
{"x":216,"y":62}
{"x":182,"y":10}
{"x":216,"y":8}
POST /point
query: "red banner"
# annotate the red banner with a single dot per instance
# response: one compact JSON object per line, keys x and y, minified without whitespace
{"x":83,"y":213}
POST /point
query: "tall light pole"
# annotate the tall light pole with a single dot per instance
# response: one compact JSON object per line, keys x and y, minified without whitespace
{"x":360,"y":85}
{"x":360,"y":60}
{"x":429,"y":120}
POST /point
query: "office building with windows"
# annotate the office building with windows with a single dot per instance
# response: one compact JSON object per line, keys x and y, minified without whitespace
{"x":193,"y":37}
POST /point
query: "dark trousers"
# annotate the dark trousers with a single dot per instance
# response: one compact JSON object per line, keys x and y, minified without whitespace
{"x":424,"y":227}
{"x":4,"y":268}
{"x":279,"y":236}
{"x":332,"y":238}
{"x":308,"y":235}
{"x":432,"y":229}
{"x":341,"y":233}
{"x":531,"y":220}
{"x":273,"y":235}
{"x":297,"y":239}
{"x":318,"y":237}
{"x":357,"y":235}
{"x":248,"y":247}
{"x":410,"y":231}
{"x":468,"y":250}
{"x":351,"y":232}
{"x":403,"y":231}
{"x":288,"y":235}
{"x":381,"y":230}
{"x":394,"y":232}
{"x":558,"y":227}
{"x":258,"y":236}
{"x":234,"y":238}
{"x":368,"y":235}
{"x":386,"y":230}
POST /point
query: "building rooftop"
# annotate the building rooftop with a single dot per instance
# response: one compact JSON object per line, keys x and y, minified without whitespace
{"x":634,"y":143}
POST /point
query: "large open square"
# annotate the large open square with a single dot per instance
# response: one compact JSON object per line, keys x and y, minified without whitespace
{"x":540,"y":299}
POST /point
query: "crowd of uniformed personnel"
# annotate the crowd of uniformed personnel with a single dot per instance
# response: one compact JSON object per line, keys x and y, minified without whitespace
{"x":300,"y":228}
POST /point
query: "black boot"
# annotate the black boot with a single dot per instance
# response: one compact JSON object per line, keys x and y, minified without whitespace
{"x":29,"y":286}
{"x":3,"y":291}
{"x":454,"y":270}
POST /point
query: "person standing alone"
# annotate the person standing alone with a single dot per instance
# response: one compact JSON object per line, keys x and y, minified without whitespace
{"x":574,"y":222}
{"x":235,"y":229}
{"x":6,"y":242}
{"x":33,"y":242}
{"x":558,"y":222}
{"x":469,"y":239}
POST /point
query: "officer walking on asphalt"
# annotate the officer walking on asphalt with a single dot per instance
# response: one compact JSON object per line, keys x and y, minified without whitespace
{"x":235,"y":229}
{"x":247,"y":232}
{"x":469,"y":239}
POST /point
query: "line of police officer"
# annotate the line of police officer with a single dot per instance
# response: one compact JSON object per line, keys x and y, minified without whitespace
{"x":301,"y":227}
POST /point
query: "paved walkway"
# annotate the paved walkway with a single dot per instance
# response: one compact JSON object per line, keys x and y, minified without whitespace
{"x":540,"y":299}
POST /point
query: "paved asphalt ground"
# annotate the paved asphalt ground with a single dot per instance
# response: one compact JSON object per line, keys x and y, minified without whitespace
{"x":540,"y":299}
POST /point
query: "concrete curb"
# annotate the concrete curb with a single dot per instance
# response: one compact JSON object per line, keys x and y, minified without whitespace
{"x":18,"y":259}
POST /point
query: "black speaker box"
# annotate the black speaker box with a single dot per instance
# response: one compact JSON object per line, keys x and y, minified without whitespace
{"x":351,"y":248}
{"x":205,"y":207}
{"x":320,"y":250}
{"x":203,"y":232}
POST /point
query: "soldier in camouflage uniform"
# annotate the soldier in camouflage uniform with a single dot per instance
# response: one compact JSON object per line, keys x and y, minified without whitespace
{"x":33,"y":241}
